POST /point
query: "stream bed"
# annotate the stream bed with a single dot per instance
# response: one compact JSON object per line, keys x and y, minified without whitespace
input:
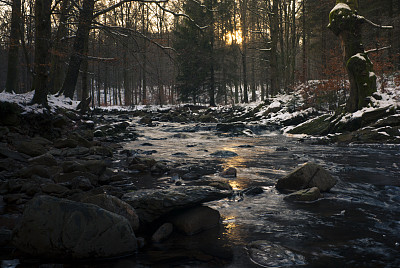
{"x":357,"y":224}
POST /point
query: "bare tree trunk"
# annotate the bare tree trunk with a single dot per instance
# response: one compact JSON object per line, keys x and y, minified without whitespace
{"x":82,"y":36}
{"x":244,"y":50}
{"x":304,"y":67}
{"x":274,"y":48}
{"x":42,"y":46}
{"x":12,"y":69}
{"x":59,"y":49}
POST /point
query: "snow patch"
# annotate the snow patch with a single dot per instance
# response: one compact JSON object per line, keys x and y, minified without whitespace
{"x":23,"y":101}
{"x":341,"y":6}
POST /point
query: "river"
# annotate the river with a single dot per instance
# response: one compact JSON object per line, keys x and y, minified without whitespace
{"x":357,"y":224}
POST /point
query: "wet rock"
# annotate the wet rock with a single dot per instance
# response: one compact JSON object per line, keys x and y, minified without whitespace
{"x":65,"y":143}
{"x":39,"y":170}
{"x":307,"y":176}
{"x":253,"y":190}
{"x":98,"y":133}
{"x":68,"y":177}
{"x":5,"y":152}
{"x":163,"y":232}
{"x":151,"y":204}
{"x":82,"y":183}
{"x":159,"y":168}
{"x":230,"y":172}
{"x":31,"y":188}
{"x":77,"y":151}
{"x":245,"y":146}
{"x":17,"y":199}
{"x":45,"y":160}
{"x":196,"y":220}
{"x":53,"y":188}
{"x":81,"y":140}
{"x":146,"y":120}
{"x":96,"y":167}
{"x":115,"y":205}
{"x":221,"y":185}
{"x":224,"y":154}
{"x":5,"y":236}
{"x":3,"y":131}
{"x":191,"y":176}
{"x":181,"y":154}
{"x":141,"y":163}
{"x":59,"y":228}
{"x":281,"y":149}
{"x":180,"y":136}
{"x":230,"y":127}
{"x":310,"y":194}
{"x":147,"y":144}
{"x":267,"y":254}
{"x":101,"y":150}
{"x":29,"y":148}
{"x":207,"y":118}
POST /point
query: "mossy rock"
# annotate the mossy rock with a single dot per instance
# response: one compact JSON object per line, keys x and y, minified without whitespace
{"x":318,"y":126}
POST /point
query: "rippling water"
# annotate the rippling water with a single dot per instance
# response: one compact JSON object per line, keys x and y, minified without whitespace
{"x":357,"y":224}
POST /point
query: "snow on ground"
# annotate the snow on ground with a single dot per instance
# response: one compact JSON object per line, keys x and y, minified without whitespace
{"x":23,"y":100}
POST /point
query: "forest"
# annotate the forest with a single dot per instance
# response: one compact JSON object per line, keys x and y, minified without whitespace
{"x":166,"y":52}
{"x":199,"y":133}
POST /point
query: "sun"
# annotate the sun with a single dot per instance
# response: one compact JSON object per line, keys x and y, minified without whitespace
{"x":234,"y":37}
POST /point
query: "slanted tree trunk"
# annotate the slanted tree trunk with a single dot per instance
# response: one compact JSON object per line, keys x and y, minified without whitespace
{"x":12,"y":69}
{"x":82,"y":36}
{"x":42,"y":46}
{"x":346,"y":23}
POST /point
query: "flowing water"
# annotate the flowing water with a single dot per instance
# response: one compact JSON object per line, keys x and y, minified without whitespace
{"x":357,"y":224}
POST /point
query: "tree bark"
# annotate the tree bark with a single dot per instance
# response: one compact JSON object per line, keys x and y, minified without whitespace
{"x":59,"y":50}
{"x":42,"y":46}
{"x":346,"y":23}
{"x":12,"y":69}
{"x":274,"y":48}
{"x":244,"y":51}
{"x":82,"y":36}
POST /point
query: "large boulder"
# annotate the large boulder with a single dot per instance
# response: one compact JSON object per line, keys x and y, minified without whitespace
{"x":307,"y":176}
{"x":151,"y":204}
{"x":115,"y":205}
{"x":59,"y":228}
{"x":195,"y":220}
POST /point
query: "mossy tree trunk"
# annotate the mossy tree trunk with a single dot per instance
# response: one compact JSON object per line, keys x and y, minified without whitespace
{"x":346,"y":24}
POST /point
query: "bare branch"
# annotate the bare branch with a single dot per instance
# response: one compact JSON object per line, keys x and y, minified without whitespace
{"x":182,"y":15}
{"x":377,"y":49}
{"x":101,"y":59}
{"x":101,"y":12}
{"x":374,"y":24}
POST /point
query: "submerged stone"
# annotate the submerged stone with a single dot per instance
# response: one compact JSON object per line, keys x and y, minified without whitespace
{"x":267,"y":254}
